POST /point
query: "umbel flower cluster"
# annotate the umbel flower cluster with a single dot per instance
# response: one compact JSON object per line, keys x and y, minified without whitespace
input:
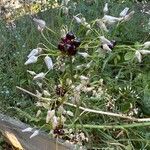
{"x":71,"y":86}
{"x":69,"y":44}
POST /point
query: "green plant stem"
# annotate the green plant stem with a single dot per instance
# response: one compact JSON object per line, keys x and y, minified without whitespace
{"x":143,"y":124}
{"x":47,"y":40}
{"x":71,"y":68}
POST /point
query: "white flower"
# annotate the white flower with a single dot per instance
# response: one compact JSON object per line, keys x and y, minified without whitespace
{"x":84,"y":54}
{"x":35,"y":52}
{"x":54,"y":122}
{"x":48,"y":62}
{"x":138,"y":56}
{"x":31,"y":72}
{"x":106,"y":48}
{"x":110,"y":19}
{"x":78,"y":20}
{"x":105,"y":41}
{"x":129,"y":16}
{"x":46,"y":93}
{"x":69,"y":113}
{"x":38,"y":94}
{"x":105,"y":10}
{"x":146,"y":44}
{"x":124,"y":12}
{"x":31,"y":60}
{"x":50,"y":114}
{"x":39,"y":76}
{"x":101,"y":25}
{"x":38,"y":113}
{"x":65,"y":2}
{"x":41,"y":24}
{"x":29,"y":129}
{"x":144,"y":52}
{"x":65,"y":10}
{"x":83,"y":77}
{"x":35,"y":133}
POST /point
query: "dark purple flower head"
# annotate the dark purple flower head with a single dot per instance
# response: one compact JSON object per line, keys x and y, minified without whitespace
{"x":69,"y":44}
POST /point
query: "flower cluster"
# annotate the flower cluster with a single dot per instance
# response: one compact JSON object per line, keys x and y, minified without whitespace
{"x":69,"y":44}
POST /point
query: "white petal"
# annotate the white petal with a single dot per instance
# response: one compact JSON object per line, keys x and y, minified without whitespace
{"x":105,"y":41}
{"x":40,"y":23}
{"x":106,"y":47}
{"x":69,"y":113}
{"x":78,"y":20}
{"x":146,"y":44}
{"x":84,"y":54}
{"x":31,"y":72}
{"x":138,"y":56}
{"x":110,"y":19}
{"x":105,"y":10}
{"x":35,"y":133}
{"x":101,"y":25}
{"x":129,"y":16}
{"x":35,"y":52}
{"x":48,"y":62}
{"x":38,"y":113}
{"x":144,"y":52}
{"x":46,"y":93}
{"x":29,"y":129}
{"x":31,"y":60}
{"x":50,"y":114}
{"x":54,"y":122}
{"x":39,"y":76}
{"x":83,"y":77}
{"x":124,"y":12}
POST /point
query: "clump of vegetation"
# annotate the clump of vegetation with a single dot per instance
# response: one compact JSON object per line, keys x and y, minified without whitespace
{"x":85,"y":75}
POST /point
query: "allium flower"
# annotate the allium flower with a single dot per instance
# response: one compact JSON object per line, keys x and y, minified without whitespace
{"x":110,"y":19}
{"x":105,"y":41}
{"x":144,"y":52}
{"x":48,"y":62}
{"x":106,"y":44}
{"x":78,"y":20}
{"x":54,"y":122}
{"x":39,"y":76}
{"x":69,"y":44}
{"x":50,"y":115}
{"x":41,"y":24}
{"x":38,"y":113}
{"x":29,"y":129}
{"x":105,"y":9}
{"x":31,"y":60}
{"x":65,"y":10}
{"x":84,"y":54}
{"x":101,"y":25}
{"x":35,"y":133}
{"x":124,"y":12}
{"x":138,"y":56}
{"x":106,"y":48}
{"x":35,"y":52}
{"x":146,"y":44}
{"x":31,"y":72}
{"x":129,"y":16}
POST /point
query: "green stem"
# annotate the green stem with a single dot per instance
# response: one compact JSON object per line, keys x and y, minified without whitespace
{"x":143,"y":124}
{"x":71,"y":68}
{"x":47,"y":40}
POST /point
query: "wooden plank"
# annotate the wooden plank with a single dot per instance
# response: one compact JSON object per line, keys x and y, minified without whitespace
{"x":12,"y":131}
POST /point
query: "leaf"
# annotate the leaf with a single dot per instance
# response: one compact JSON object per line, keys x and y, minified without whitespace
{"x":129,"y":56}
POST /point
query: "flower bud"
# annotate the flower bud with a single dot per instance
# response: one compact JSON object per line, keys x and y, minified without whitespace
{"x":31,"y":60}
{"x":48,"y":62}
{"x":124,"y":12}
{"x":39,"y":76}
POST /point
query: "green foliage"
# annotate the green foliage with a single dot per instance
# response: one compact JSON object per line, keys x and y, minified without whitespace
{"x":124,"y":80}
